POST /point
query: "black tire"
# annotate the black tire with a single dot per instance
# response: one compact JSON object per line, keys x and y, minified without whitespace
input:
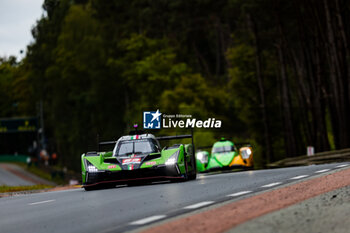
{"x":136,"y":183}
{"x":91,"y":188}
{"x":109,"y":185}
{"x":98,"y":187}
{"x":193,"y":174}
{"x":186,"y":171}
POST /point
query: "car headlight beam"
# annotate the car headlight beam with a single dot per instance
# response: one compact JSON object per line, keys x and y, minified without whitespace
{"x":246,"y":153}
{"x":92,"y":168}
{"x":202,"y":157}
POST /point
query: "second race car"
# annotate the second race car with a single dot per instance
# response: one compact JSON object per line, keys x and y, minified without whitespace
{"x":225,"y":154}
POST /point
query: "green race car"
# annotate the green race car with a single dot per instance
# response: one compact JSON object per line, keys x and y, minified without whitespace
{"x":202,"y":159}
{"x":137,"y":158}
{"x":225,"y":154}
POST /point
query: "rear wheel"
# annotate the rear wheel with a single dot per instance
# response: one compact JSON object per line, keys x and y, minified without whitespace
{"x":190,"y":175}
{"x":193,"y":173}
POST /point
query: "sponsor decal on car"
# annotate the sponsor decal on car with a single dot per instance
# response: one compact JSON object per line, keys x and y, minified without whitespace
{"x":112,"y":166}
{"x":133,"y":160}
{"x":151,"y":163}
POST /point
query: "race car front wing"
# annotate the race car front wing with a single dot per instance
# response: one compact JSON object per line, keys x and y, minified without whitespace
{"x":159,"y":172}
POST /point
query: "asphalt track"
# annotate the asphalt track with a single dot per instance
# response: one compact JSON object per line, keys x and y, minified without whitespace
{"x":9,"y":179}
{"x":14,"y":175}
{"x":128,"y":208}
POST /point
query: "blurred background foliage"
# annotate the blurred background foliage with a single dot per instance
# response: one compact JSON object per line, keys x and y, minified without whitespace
{"x":275,"y":72}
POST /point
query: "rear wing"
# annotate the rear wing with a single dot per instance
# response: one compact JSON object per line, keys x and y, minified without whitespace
{"x":163,"y":138}
{"x":106,"y":143}
{"x":174,"y":137}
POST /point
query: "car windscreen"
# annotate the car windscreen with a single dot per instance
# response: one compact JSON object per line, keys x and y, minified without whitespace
{"x":135,"y":147}
{"x":223,"y":149}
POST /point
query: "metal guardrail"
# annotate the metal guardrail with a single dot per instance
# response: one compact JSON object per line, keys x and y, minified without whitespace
{"x":318,"y":158}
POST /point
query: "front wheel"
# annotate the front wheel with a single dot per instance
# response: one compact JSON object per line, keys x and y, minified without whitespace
{"x":99,"y":186}
{"x":90,"y":188}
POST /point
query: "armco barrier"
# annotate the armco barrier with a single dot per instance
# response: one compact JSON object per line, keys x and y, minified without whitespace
{"x":14,"y":158}
{"x":318,"y":158}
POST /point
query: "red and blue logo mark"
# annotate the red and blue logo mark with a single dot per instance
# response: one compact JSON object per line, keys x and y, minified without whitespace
{"x":152,"y":120}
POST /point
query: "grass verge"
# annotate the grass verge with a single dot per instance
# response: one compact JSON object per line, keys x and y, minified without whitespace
{"x":45,"y":174}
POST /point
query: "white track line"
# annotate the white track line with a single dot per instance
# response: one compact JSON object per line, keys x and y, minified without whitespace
{"x":198,"y":205}
{"x":343,"y":165}
{"x":298,"y":177}
{"x":271,"y":185}
{"x":148,"y":220}
{"x":41,"y":202}
{"x":324,"y":170}
{"x":238,"y":194}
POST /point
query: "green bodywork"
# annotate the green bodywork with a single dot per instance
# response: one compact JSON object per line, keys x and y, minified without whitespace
{"x":184,"y":152}
{"x":216,"y":159}
{"x":202,"y":163}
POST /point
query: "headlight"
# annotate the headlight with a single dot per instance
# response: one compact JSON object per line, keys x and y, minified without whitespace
{"x":202,"y":157}
{"x":90,"y":167}
{"x":173,"y":158}
{"x":246,"y":153}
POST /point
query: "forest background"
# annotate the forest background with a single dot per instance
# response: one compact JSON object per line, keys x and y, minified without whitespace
{"x":275,"y":72}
